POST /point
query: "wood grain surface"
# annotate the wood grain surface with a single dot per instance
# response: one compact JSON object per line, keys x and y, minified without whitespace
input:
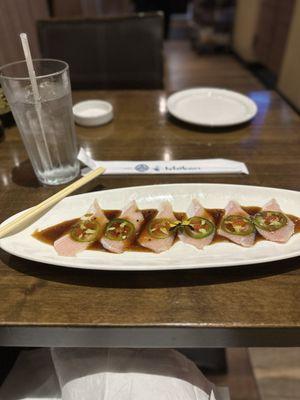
{"x":265,"y":295}
{"x":277,"y":372}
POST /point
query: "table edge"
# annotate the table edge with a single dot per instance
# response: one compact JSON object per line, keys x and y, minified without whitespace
{"x":147,"y":337}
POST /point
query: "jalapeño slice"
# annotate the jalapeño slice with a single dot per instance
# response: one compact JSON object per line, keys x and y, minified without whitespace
{"x":87,"y":229}
{"x":270,"y":220}
{"x":237,"y":225}
{"x":159,"y":228}
{"x":119,"y":229}
{"x":198,"y":227}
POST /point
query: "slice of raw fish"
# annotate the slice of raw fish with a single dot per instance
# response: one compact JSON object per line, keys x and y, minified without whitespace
{"x":233,"y":208}
{"x":283,"y":234}
{"x":196,"y":210}
{"x":159,"y":245}
{"x":66,"y":246}
{"x":132,"y":214}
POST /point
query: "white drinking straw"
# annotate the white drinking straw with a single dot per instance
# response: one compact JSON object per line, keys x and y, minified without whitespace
{"x":30,"y":68}
{"x":36,"y":96}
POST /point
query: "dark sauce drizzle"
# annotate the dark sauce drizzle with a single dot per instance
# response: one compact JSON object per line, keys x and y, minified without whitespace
{"x":49,"y":235}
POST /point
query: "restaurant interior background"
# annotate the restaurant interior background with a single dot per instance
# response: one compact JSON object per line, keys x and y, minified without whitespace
{"x":264,"y":35}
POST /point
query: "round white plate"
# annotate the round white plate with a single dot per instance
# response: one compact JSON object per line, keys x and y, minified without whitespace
{"x":181,"y":255}
{"x":211,"y":107}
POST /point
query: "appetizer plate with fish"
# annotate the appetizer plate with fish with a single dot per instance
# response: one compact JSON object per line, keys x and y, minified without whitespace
{"x":164,"y":227}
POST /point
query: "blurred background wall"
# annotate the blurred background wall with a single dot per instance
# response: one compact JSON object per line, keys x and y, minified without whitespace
{"x":19,"y":16}
{"x":289,"y":78}
{"x":66,"y":8}
{"x":246,"y":18}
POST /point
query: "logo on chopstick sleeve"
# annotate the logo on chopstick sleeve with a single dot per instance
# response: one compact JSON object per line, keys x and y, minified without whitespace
{"x":142,"y":168}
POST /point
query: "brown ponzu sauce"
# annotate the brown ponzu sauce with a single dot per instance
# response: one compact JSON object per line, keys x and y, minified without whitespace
{"x":49,"y":235}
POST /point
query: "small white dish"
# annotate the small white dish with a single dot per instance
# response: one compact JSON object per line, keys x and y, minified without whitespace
{"x":92,"y":112}
{"x":211,"y":107}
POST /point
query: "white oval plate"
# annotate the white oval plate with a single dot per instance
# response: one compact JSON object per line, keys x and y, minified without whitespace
{"x":180,"y":256}
{"x":211,"y":107}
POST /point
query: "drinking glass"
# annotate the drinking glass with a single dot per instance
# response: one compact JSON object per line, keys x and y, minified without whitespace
{"x":46,"y":126}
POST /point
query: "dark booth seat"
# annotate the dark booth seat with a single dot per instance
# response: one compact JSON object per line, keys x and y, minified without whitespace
{"x":107,"y":53}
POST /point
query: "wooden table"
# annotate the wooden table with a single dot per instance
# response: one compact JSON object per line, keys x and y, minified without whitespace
{"x":258,"y":305}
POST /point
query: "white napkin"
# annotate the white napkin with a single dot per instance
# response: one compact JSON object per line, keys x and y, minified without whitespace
{"x":207,"y":166}
{"x":129,"y":374}
{"x":107,"y":374}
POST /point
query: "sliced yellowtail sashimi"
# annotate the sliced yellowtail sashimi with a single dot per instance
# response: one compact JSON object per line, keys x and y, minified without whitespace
{"x":157,"y":236}
{"x":273,"y":224}
{"x":121,"y":232}
{"x":199,"y":229}
{"x":237,"y":226}
{"x":86,"y":231}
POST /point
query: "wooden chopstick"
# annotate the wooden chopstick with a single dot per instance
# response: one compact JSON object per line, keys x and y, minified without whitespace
{"x":39,"y":208}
